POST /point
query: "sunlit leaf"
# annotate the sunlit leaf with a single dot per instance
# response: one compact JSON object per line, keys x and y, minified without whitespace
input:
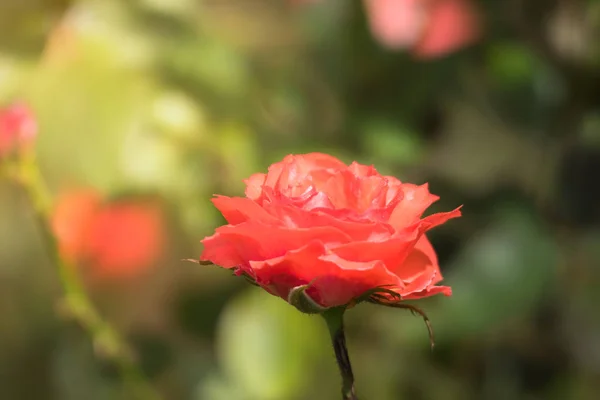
{"x":267,"y":347}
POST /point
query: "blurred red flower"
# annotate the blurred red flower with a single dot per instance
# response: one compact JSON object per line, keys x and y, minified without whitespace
{"x":429,"y":28}
{"x":117,"y":239}
{"x":18,"y":128}
{"x":342,"y":230}
{"x":71,"y":221}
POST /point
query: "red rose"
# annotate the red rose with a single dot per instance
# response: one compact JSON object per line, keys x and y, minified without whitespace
{"x":342,"y":230}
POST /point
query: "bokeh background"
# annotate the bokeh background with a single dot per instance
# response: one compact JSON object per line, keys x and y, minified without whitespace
{"x":176,"y":100}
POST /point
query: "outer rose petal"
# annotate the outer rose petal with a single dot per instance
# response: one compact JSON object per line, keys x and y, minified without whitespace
{"x":363,"y":171}
{"x":313,"y":161}
{"x":237,"y":210}
{"x":418,"y":261}
{"x":428,"y":292}
{"x":235,"y":246}
{"x":333,"y":281}
{"x":437,"y":219}
{"x":348,"y":191}
{"x":420,"y":272}
{"x":392,"y":252}
{"x":416,"y":199}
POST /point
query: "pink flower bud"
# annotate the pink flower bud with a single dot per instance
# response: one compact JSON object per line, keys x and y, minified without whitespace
{"x":18,"y":128}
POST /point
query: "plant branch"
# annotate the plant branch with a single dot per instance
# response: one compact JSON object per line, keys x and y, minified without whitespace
{"x":334,"y":318}
{"x":76,"y":301}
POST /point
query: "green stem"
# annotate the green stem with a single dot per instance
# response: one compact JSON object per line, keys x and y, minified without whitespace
{"x":335,"y":322}
{"x":77,"y":302}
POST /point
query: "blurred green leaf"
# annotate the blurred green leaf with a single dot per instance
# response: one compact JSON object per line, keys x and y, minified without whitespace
{"x":512,"y":63}
{"x":386,"y":142}
{"x":267,"y":347}
{"x":238,"y":148}
{"x":499,"y":277}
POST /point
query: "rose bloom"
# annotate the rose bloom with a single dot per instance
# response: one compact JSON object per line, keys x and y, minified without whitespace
{"x":342,"y":230}
{"x":115,"y":240}
{"x":17,"y":128}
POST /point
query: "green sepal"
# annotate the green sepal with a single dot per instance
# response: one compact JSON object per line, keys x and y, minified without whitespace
{"x":303,"y":302}
{"x":375,"y":295}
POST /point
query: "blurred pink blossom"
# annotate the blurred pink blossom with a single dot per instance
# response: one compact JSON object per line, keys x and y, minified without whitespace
{"x":427,"y":28}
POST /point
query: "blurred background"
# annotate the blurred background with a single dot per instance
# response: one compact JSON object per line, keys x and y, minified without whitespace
{"x":147,"y":108}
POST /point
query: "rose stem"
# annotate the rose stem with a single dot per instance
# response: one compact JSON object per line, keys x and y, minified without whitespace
{"x":334,"y":318}
{"x":77,"y":303}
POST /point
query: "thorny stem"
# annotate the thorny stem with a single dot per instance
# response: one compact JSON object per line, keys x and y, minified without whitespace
{"x":334,"y":318}
{"x":76,"y":301}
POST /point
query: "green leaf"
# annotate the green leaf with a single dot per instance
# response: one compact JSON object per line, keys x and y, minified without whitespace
{"x":268,"y":348}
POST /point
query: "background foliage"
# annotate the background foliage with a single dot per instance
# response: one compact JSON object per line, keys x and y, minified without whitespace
{"x":182,"y":99}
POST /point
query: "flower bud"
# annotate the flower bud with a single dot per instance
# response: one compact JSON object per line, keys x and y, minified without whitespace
{"x":18,"y":128}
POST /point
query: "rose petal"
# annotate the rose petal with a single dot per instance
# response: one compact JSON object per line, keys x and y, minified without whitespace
{"x":357,"y":231}
{"x":415,"y":200}
{"x":290,"y":176}
{"x":394,"y":193}
{"x":334,"y":281}
{"x":422,"y":280}
{"x":420,"y":259}
{"x":392,"y":252}
{"x":237,"y":210}
{"x":234,"y":246}
{"x":363,"y":171}
{"x":437,"y":219}
{"x":314,"y":161}
{"x":254,"y":186}
{"x":430,"y":291}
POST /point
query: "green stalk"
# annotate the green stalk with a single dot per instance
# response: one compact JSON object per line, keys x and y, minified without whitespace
{"x":335,"y":323}
{"x":76,"y":300}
